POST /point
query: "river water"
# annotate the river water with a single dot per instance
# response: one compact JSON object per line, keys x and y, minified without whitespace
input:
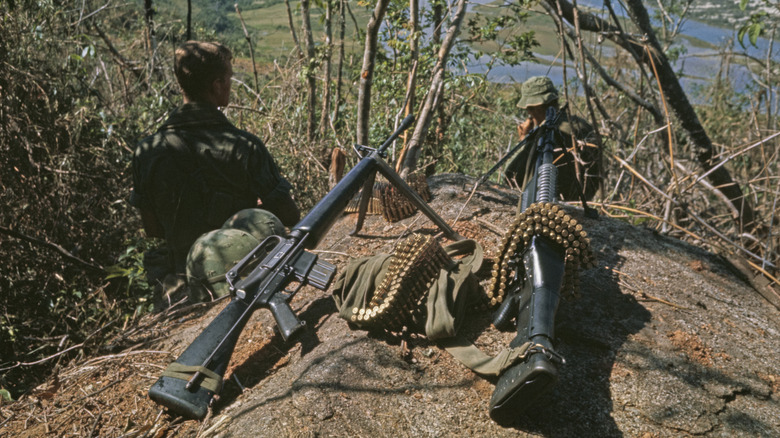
{"x":696,"y":68}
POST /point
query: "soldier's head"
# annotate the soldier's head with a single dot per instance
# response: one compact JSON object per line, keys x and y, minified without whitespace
{"x":537,"y":94}
{"x":203,"y":70}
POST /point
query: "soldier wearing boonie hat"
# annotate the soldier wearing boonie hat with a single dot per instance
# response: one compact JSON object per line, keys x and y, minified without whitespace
{"x":537,"y":94}
{"x":538,"y":90}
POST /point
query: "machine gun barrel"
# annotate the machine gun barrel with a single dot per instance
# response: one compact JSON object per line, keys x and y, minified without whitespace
{"x":535,"y":297}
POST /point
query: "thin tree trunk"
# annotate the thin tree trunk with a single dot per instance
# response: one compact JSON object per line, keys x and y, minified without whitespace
{"x":769,"y":93}
{"x":189,"y":20}
{"x":291,"y":24}
{"x":325,"y":114}
{"x":340,"y":64}
{"x":438,"y":21}
{"x":583,"y":77}
{"x":310,"y":65}
{"x":433,"y":98}
{"x":411,"y":81}
{"x":151,"y":39}
{"x":367,"y":71}
{"x":251,"y":48}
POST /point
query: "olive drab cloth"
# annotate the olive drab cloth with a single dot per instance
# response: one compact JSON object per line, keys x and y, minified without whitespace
{"x":520,"y":169}
{"x":216,"y":252}
{"x":537,"y":91}
{"x":196,"y":171}
{"x":446,"y":302}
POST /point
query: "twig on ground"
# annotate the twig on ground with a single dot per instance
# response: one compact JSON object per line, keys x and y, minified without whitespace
{"x":490,"y":226}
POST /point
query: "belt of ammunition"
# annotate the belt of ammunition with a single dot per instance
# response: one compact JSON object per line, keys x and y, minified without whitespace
{"x":399,"y":300}
{"x":374,"y":204}
{"x":548,"y":220}
{"x":395,"y":205}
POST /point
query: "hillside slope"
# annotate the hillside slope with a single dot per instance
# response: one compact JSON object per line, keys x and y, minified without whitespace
{"x":664,"y":340}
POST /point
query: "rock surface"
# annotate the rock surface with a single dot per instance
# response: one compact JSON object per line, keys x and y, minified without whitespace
{"x":665,"y":339}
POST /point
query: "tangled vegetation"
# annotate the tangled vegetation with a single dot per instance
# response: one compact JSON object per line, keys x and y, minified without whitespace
{"x":79,"y":85}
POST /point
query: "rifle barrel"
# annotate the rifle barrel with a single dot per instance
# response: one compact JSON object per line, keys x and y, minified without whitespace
{"x":329,"y":209}
{"x":189,"y":384}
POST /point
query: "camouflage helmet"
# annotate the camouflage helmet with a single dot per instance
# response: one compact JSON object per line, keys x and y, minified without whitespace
{"x":538,"y":90}
{"x":257,"y":222}
{"x":211,"y":256}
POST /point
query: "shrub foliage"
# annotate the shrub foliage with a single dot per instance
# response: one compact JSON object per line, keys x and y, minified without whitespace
{"x":79,"y":85}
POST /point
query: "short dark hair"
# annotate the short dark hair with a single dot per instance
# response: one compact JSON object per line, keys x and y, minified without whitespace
{"x":197,"y":64}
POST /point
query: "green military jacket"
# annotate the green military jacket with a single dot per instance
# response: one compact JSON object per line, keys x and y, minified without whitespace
{"x":520,"y":169}
{"x":196,"y":171}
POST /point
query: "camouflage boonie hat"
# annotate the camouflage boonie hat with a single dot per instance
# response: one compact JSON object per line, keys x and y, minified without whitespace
{"x":538,"y":90}
{"x":257,"y":222}
{"x":211,"y":257}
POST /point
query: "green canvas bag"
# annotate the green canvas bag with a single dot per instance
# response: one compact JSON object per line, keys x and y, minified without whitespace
{"x":444,"y":304}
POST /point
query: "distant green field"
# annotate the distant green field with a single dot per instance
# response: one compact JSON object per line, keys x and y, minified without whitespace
{"x":267,"y":25}
{"x":270,"y":30}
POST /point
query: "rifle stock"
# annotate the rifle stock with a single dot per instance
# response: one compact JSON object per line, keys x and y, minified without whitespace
{"x":219,"y":337}
{"x":189,"y":384}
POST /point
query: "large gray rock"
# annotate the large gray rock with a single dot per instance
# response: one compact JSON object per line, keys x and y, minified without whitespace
{"x":664,"y":340}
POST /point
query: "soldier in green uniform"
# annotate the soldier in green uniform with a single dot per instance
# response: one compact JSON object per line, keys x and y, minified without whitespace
{"x":577,"y":157}
{"x":198,"y":169}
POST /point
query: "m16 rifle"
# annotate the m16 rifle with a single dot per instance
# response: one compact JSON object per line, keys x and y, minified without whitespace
{"x":259,"y":280}
{"x":538,"y":251}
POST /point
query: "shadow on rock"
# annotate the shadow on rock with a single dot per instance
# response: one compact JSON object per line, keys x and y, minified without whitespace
{"x":263,"y":361}
{"x":591,"y":329}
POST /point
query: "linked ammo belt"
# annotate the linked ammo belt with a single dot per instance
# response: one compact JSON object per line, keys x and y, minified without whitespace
{"x":551,"y":221}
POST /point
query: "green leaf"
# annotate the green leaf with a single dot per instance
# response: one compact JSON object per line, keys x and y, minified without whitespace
{"x":116,"y":271}
{"x":755,"y":31}
{"x":743,"y":4}
{"x":6,"y":395}
{"x":741,"y":35}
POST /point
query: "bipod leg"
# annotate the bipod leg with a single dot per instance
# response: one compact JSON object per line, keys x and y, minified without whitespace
{"x":415,"y":199}
{"x":365,"y":197}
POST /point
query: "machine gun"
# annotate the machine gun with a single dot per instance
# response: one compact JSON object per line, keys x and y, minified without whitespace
{"x":532,"y":293}
{"x":259,"y":280}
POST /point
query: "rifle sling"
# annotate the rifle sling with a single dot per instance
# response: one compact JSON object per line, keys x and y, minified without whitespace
{"x":480,"y":362}
{"x":211,"y":381}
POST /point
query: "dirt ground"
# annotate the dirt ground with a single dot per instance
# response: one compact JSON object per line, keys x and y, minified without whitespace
{"x":664,"y":339}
